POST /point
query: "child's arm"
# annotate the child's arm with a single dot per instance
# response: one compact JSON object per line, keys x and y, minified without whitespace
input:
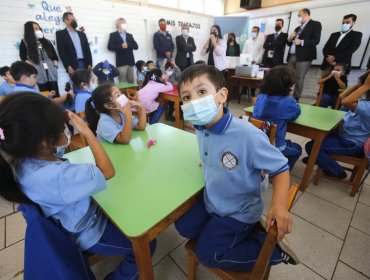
{"x":124,"y":136}
{"x":279,"y":208}
{"x":323,"y":80}
{"x":340,"y":83}
{"x":350,"y":101}
{"x":102,"y":160}
{"x":349,"y":90}
{"x":141,"y":125}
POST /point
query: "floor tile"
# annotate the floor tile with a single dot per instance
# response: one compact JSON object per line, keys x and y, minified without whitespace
{"x":11,"y":263}
{"x":316,"y":248}
{"x":2,"y":233}
{"x":323,"y":214}
{"x":334,"y":192}
{"x":356,"y":251}
{"x":105,"y":266}
{"x":365,"y":195}
{"x":293,"y":272}
{"x":344,"y":272}
{"x":361,"y":218}
{"x":167,"y":241}
{"x":166,"y":269}
{"x":180,"y":258}
{"x":299,"y":169}
{"x":6,"y":208}
{"x":15,"y":228}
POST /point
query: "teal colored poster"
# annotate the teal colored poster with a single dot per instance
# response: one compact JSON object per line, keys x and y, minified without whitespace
{"x":237,"y":25}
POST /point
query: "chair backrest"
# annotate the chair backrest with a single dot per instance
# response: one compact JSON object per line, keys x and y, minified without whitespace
{"x":321,"y":91}
{"x":267,"y":127}
{"x":132,"y":94}
{"x":263,"y":260}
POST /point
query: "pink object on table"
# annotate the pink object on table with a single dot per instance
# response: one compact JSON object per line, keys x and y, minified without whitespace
{"x":151,"y":142}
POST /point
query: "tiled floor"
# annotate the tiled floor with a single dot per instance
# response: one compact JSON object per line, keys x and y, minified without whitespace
{"x":331,"y":234}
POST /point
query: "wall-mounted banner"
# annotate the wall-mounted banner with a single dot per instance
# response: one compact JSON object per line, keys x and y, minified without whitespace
{"x":237,"y":25}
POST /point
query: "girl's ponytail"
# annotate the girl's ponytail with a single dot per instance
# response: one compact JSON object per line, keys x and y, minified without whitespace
{"x":92,"y":116}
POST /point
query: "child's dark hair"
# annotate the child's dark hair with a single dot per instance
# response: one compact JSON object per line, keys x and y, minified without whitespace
{"x":81,"y":76}
{"x":20,"y":68}
{"x":95,"y":104}
{"x":201,"y":62}
{"x":139,"y":65}
{"x":148,"y":62}
{"x":26,"y":120}
{"x":168,"y":65}
{"x":213,"y":74}
{"x":278,"y":81}
{"x":153,"y":75}
{"x":3,"y":70}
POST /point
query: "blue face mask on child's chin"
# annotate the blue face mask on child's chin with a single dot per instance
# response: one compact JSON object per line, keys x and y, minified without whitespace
{"x":201,"y":111}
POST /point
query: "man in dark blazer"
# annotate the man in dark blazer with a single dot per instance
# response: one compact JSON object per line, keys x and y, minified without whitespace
{"x":275,"y":46}
{"x":123,"y":44}
{"x":185,"y":48}
{"x":303,"y":42}
{"x":73,"y":47}
{"x":341,"y":45}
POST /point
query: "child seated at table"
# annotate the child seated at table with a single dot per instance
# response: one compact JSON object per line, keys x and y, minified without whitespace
{"x":155,"y":83}
{"x":349,"y":139}
{"x":336,"y":80}
{"x":83,"y":81}
{"x":233,"y":154}
{"x":8,"y":85}
{"x":274,"y":104}
{"x":31,"y":173}
{"x":108,"y":113}
{"x":173,"y":72}
{"x":141,"y":69}
{"x":105,"y":72}
{"x":150,"y":65}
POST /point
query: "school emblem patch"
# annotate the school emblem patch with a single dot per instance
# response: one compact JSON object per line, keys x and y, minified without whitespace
{"x":229,"y":161}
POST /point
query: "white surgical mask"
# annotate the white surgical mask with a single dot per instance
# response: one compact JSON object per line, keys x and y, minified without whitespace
{"x":185,"y":32}
{"x":201,"y":111}
{"x":122,"y":100}
{"x":106,"y":71}
{"x":123,"y":26}
{"x":92,"y":87}
{"x":169,"y":73}
{"x":145,"y":69}
{"x":39,"y":34}
{"x":345,"y":27}
{"x":60,"y":149}
{"x":299,"y":20}
{"x":254,"y":35}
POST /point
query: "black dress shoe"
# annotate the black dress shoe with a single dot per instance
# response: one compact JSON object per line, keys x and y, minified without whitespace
{"x":341,"y":176}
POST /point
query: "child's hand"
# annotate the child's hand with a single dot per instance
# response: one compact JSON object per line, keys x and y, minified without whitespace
{"x":52,"y":93}
{"x":134,"y":103}
{"x":281,"y":215}
{"x":126,"y":110}
{"x":164,"y":62}
{"x":79,"y":124}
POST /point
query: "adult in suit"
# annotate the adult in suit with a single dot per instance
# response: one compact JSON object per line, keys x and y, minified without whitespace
{"x":275,"y":46}
{"x":185,"y":47}
{"x":303,"y":42}
{"x":73,"y":47}
{"x":341,"y":45}
{"x":123,"y":44}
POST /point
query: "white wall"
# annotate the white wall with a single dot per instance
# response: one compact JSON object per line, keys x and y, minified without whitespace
{"x":97,"y":17}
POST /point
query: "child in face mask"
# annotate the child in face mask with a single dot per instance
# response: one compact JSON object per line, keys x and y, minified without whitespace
{"x":32,"y":174}
{"x":233,"y":153}
{"x":336,"y":80}
{"x":140,"y":72}
{"x":83,"y":80}
{"x":108,"y":112}
{"x":105,"y":72}
{"x":155,"y":83}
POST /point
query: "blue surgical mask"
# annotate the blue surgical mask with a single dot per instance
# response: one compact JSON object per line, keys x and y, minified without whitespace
{"x":169,"y":73}
{"x":345,"y":27}
{"x":92,"y":87}
{"x":254,"y":35}
{"x":201,"y":111}
{"x":60,"y":149}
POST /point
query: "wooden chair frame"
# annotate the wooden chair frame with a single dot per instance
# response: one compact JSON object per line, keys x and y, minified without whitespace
{"x":271,"y":132}
{"x":261,"y":270}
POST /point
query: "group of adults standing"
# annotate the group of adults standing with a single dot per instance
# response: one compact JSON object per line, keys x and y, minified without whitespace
{"x":74,"y":50}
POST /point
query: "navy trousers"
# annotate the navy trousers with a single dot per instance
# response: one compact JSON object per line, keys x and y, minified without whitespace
{"x":156,"y":115}
{"x":113,"y":242}
{"x":292,"y":152}
{"x":223,"y":242}
{"x":334,"y":144}
{"x":328,"y":100}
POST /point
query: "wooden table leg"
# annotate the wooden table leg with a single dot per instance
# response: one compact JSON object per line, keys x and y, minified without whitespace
{"x":177,"y":115}
{"x":143,"y":257}
{"x":312,"y":160}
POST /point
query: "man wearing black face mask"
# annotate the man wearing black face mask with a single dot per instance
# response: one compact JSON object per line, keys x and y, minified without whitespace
{"x":275,"y":46}
{"x":73,"y":47}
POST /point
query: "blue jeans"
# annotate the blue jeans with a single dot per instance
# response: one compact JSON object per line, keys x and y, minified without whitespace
{"x":292,"y":152}
{"x":113,"y":242}
{"x":223,"y":242}
{"x":328,"y":100}
{"x":334,"y":144}
{"x":156,"y":115}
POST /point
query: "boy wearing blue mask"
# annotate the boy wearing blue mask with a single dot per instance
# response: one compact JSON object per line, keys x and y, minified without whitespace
{"x":234,"y":153}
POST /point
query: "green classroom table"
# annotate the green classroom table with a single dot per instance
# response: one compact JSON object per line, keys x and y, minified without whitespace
{"x":152,"y":186}
{"x":123,"y":86}
{"x":315,"y":123}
